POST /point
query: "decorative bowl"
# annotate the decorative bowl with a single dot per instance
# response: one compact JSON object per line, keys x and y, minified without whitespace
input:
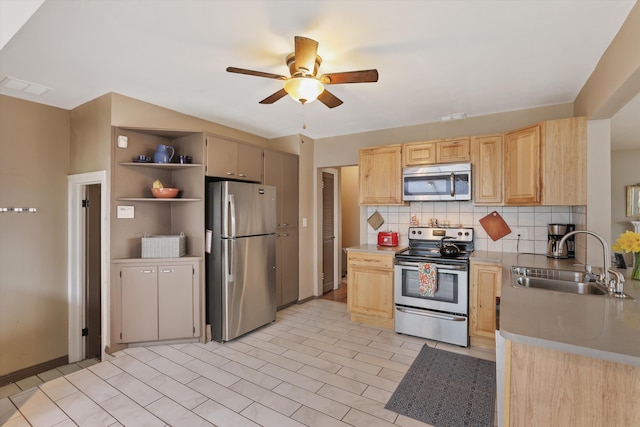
{"x":165,"y":193}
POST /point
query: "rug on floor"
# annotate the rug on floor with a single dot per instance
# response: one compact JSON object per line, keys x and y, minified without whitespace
{"x":447,"y":389}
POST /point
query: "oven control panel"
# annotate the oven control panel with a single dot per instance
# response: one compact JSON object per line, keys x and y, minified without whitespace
{"x":434,"y":233}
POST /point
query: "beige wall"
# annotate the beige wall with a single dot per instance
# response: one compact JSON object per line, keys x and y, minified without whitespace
{"x":616,"y":78}
{"x":34,"y":142}
{"x":343,"y":150}
{"x":90,"y":149}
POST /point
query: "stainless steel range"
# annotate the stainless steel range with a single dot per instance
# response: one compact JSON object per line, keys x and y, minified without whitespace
{"x":442,"y":311}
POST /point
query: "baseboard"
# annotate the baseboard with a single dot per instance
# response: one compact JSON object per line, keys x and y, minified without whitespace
{"x":33,"y":370}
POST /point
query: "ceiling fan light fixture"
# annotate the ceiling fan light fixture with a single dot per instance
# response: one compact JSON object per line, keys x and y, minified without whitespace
{"x":303,"y":89}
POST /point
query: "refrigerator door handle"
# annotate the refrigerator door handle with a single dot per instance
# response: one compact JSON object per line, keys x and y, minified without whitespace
{"x":230,"y":243}
{"x":232,"y":214}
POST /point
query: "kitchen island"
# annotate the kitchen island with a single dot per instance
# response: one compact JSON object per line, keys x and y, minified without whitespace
{"x":569,"y":359}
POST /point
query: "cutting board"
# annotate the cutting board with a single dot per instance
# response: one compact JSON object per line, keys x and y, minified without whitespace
{"x":495,"y":226}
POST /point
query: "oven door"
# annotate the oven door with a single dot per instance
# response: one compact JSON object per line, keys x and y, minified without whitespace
{"x":452,"y":295}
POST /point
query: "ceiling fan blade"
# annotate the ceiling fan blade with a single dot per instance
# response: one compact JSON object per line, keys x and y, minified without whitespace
{"x":306,"y":51}
{"x":255,"y":73}
{"x":329,"y":99}
{"x":364,"y":76}
{"x":274,"y":97}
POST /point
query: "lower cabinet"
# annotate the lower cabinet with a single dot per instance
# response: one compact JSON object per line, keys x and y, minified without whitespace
{"x":486,"y":279}
{"x":286,"y":267}
{"x":370,"y":288}
{"x":154,"y":301}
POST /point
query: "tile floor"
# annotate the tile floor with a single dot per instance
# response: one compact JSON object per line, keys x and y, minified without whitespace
{"x":312,"y":367}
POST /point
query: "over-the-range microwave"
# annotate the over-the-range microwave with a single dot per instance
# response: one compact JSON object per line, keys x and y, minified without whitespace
{"x":437,"y":182}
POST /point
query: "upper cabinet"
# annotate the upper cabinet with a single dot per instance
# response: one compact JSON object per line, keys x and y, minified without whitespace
{"x":545,"y":164}
{"x":522,"y":166}
{"x":281,"y":170}
{"x":381,"y":175}
{"x":564,"y":162}
{"x":487,"y":160}
{"x":440,"y":151}
{"x":233,"y":160}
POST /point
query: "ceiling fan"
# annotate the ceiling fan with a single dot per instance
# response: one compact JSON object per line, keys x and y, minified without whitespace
{"x":304,"y":85}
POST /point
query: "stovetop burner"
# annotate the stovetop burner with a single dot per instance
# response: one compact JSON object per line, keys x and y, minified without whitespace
{"x":424,"y":243}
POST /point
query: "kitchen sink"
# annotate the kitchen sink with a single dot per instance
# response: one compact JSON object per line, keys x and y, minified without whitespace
{"x":574,"y":282}
{"x":590,"y":288}
{"x":549,"y":273}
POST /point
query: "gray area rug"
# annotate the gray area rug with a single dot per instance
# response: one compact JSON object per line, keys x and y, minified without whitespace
{"x":447,"y":389}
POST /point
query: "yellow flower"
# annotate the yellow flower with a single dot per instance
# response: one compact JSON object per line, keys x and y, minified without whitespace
{"x":628,"y":241}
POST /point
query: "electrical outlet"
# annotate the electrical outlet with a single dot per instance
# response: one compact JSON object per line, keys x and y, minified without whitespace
{"x":523,"y":232}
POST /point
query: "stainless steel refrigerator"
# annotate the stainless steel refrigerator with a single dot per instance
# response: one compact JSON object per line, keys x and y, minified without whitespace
{"x":240,"y":257}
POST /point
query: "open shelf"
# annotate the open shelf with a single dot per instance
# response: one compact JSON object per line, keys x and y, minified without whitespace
{"x":153,"y":199}
{"x":168,"y":166}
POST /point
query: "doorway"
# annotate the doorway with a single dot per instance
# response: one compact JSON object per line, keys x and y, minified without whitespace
{"x":93,"y":284}
{"x":88,"y":261}
{"x":328,"y":231}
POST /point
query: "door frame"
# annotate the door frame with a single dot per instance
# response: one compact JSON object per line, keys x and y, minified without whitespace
{"x":76,"y":186}
{"x":337,"y":230}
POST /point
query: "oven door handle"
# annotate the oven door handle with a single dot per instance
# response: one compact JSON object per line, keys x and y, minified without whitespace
{"x":430,"y":314}
{"x":452,"y":179}
{"x":439,"y":266}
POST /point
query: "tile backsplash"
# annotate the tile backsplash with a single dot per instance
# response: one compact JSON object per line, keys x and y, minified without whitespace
{"x":464,"y":214}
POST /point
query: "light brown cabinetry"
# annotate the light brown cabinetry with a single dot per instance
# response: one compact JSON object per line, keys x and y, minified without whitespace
{"x":154,"y":300}
{"x":281,"y":171}
{"x":545,"y":387}
{"x":380,"y":170}
{"x":564,"y":162}
{"x":287,"y":278}
{"x":233,"y":160}
{"x":485,"y":282}
{"x":522,"y":181}
{"x":437,"y":151}
{"x":487,"y":161}
{"x":370,"y":288}
{"x":545,"y":164}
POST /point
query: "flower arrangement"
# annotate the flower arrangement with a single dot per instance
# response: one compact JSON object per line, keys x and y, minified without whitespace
{"x":629,"y":241}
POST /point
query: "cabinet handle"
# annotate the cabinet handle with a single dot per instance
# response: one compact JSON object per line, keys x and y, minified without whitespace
{"x":230,"y":173}
{"x":242,"y":175}
{"x":285,"y":225}
{"x":147,"y":271}
{"x":285,"y":235}
{"x":167,"y":271}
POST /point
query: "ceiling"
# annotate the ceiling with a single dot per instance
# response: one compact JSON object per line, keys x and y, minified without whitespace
{"x":434,"y":58}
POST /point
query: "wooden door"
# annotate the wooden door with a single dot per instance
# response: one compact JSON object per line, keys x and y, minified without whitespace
{"x":486,"y":156}
{"x":289,"y":190}
{"x":381,"y":175}
{"x":175,"y":301}
{"x":222,"y":158}
{"x":289,"y":265}
{"x":522,"y":178}
{"x":486,"y":278}
{"x":452,"y":151}
{"x":328,"y":233}
{"x":419,"y":153}
{"x":249,"y":163}
{"x":93,"y":281}
{"x":139,"y":303}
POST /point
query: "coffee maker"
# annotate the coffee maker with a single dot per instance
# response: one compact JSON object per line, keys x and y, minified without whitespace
{"x":555,"y":234}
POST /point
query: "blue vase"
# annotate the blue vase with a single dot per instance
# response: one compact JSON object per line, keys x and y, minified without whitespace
{"x":162,"y":154}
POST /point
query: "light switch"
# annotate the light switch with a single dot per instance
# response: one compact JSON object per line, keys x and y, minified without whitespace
{"x":304,"y":222}
{"x":123,"y":141}
{"x":125,"y":212}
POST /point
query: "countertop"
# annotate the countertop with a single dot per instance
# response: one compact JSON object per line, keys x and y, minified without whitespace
{"x":390,"y":250}
{"x":590,"y":325}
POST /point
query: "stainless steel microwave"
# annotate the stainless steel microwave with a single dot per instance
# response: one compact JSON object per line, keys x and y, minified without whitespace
{"x":437,"y":182}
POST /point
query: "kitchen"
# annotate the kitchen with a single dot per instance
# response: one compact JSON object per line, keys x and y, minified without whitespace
{"x":313,"y":155}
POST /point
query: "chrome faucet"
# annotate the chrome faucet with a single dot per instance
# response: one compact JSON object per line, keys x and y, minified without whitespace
{"x":615,"y":285}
